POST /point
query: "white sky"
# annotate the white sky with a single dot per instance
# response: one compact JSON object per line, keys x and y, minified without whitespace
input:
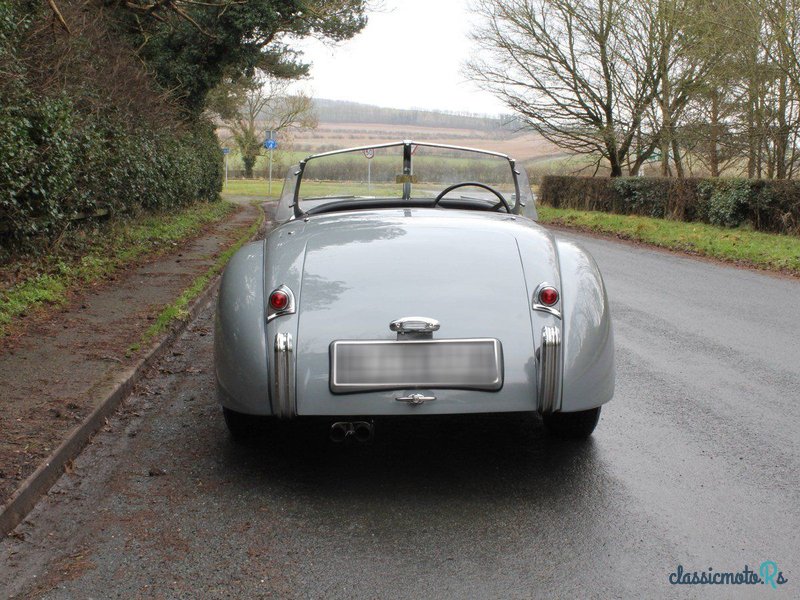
{"x":410,"y":55}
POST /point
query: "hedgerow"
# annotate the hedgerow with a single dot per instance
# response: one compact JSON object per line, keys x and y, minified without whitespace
{"x":70,"y":150}
{"x":763,"y":205}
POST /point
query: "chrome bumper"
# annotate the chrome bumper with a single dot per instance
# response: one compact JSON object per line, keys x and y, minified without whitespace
{"x":549,"y":370}
{"x":283,"y":397}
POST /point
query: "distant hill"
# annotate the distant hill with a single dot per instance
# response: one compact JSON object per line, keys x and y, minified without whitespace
{"x":344,"y":124}
{"x":341,"y":111}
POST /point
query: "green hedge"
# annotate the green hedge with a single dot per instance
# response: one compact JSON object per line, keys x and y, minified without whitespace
{"x":765,"y":205}
{"x":59,"y":160}
{"x":56,"y":164}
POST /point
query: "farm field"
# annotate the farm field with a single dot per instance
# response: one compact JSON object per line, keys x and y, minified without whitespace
{"x":349,"y":125}
{"x":524,"y":146}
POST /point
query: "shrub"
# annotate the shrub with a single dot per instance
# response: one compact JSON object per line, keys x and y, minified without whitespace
{"x":728,"y":201}
{"x":639,"y":196}
{"x":775,"y":206}
{"x":62,"y":156}
{"x":765,"y":205}
{"x":57,"y":165}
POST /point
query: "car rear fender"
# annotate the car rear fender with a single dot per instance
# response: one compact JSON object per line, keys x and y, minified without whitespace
{"x":588,"y":340}
{"x":240,"y":352}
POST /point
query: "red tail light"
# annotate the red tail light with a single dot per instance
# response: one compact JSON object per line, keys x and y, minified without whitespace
{"x":548,"y":296}
{"x":278,"y":300}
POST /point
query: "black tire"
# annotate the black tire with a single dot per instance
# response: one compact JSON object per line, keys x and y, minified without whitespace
{"x":572,"y":425}
{"x":242,"y":427}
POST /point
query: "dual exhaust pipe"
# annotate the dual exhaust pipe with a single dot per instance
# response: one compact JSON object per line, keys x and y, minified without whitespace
{"x":360,"y":431}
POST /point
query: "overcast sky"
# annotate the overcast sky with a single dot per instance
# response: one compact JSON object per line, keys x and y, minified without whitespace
{"x":410,"y":55}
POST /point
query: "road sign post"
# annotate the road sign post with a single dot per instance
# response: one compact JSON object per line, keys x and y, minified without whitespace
{"x":270,"y":144}
{"x":370,"y":154}
{"x":225,"y":152}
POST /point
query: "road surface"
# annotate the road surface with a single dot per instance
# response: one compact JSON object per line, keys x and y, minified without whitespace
{"x":696,"y":462}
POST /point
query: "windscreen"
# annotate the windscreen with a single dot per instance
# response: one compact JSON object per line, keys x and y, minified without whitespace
{"x":375,"y":173}
{"x":437,"y":168}
{"x":369,"y":173}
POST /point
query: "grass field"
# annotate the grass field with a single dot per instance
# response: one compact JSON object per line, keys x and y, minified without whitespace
{"x":251,"y":187}
{"x":257,"y":188}
{"x":328,"y":136}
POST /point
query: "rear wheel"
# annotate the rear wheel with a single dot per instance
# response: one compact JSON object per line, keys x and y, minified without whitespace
{"x":242,"y":427}
{"x":572,"y":425}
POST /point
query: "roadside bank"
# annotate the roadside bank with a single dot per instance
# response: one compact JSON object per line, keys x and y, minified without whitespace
{"x":741,"y":247}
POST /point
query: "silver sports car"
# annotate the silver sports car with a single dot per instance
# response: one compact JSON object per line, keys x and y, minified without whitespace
{"x":411,"y":279}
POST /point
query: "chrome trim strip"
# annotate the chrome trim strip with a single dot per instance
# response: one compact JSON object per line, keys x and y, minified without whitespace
{"x":464,"y":148}
{"x":547,"y":309}
{"x":290,"y":309}
{"x":353,"y":149}
{"x":346,"y":388}
{"x":283,"y":397}
{"x":542,"y":307}
{"x":549,"y":370}
{"x":406,"y":142}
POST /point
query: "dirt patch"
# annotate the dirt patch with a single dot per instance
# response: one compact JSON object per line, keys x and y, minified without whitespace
{"x":50,"y":377}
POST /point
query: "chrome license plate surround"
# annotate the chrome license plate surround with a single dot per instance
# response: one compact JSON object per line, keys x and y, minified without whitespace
{"x":471,"y":364}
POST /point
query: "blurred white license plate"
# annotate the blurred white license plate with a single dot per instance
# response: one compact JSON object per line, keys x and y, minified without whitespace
{"x":359,"y":366}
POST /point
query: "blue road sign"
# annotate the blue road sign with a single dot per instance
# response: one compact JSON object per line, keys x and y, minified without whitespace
{"x":226,"y":150}
{"x":270,"y":144}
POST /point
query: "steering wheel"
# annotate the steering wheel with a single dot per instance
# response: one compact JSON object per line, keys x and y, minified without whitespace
{"x":455,"y":186}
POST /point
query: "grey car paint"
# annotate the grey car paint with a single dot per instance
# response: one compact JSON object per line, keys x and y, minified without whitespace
{"x":354,"y":272}
{"x":240,"y":353}
{"x":588,"y":378}
{"x":366,"y":269}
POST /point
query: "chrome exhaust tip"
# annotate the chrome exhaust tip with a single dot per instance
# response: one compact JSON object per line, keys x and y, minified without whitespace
{"x":360,"y":431}
{"x":363,"y":431}
{"x":340,"y":431}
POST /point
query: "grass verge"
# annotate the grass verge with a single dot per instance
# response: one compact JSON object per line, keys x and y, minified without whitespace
{"x":742,"y":246}
{"x":48,"y":280}
{"x":252,"y":187}
{"x":179,"y":308}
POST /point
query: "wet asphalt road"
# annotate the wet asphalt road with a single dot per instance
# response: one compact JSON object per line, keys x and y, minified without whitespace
{"x":695,"y":462}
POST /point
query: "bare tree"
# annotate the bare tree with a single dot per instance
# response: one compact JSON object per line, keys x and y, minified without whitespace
{"x":681,"y":67}
{"x":781,"y":43}
{"x":582,"y":73}
{"x":767,"y":61}
{"x":252,"y":109}
{"x":711,"y":130}
{"x":694,"y":60}
{"x":715,"y":85}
